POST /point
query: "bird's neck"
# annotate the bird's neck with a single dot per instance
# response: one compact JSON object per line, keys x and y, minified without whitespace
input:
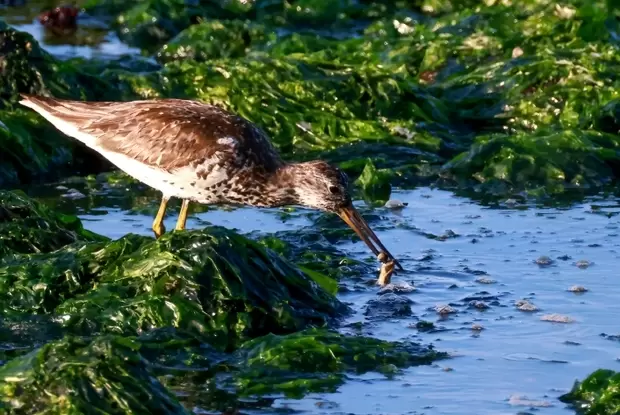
{"x":281,"y":186}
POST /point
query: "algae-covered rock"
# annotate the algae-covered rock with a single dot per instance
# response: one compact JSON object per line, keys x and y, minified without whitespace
{"x":375,"y":184}
{"x":598,"y":394}
{"x":318,"y":360}
{"x":292,"y":365}
{"x":550,"y":162}
{"x":413,"y":86}
{"x":71,"y":373}
{"x":213,"y":281}
{"x":77,"y":375}
{"x":26,"y":68}
{"x":215,"y":39}
{"x":28,"y":226}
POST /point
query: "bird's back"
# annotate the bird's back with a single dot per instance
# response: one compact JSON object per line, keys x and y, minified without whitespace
{"x":166,"y":133}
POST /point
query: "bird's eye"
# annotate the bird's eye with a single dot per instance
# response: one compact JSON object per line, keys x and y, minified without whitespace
{"x":334,"y":190}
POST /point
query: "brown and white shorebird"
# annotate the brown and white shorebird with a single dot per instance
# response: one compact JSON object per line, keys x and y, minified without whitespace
{"x":202,"y":153}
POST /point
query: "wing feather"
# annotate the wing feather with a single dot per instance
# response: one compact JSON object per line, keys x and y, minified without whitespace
{"x":168,"y":133}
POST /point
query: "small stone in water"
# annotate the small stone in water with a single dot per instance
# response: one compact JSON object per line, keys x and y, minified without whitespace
{"x":544,"y":261}
{"x":524,"y":305}
{"x":398,"y":288}
{"x":424,"y":325}
{"x":557,"y":318}
{"x":395,"y":204}
{"x":477,"y":327}
{"x":74,"y":194}
{"x":480,"y":305}
{"x":525,"y":401}
{"x":483,"y":280}
{"x":583,"y":264}
{"x":445,"y":309}
{"x":578,"y":289}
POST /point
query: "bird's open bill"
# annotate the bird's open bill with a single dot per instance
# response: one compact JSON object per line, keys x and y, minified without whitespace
{"x":352,"y":218}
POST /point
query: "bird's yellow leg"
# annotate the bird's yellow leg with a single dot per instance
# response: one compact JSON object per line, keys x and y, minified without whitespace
{"x":158,"y":223}
{"x":182,"y":215}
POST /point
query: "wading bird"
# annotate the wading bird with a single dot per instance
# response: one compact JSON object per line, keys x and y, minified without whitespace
{"x":202,"y":153}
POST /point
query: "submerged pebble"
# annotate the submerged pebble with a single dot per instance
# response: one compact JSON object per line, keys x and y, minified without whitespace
{"x":479,"y":305}
{"x":445,"y":309}
{"x":557,"y":318}
{"x":525,"y":305}
{"x":484,"y":280}
{"x":577,"y":289}
{"x":73,"y":194}
{"x":520,"y":400}
{"x":544,"y":261}
{"x":389,"y":305}
{"x":395,"y":204}
{"x":583,"y":264}
{"x":397,"y":288}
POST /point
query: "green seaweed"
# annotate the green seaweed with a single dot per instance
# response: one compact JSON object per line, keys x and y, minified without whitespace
{"x":375,"y":184}
{"x":28,"y":226}
{"x":214,"y":39}
{"x":454,"y":93}
{"x":317,"y":361}
{"x":212,"y":281}
{"x":103,"y":370}
{"x":74,"y":375}
{"x":597,"y":394}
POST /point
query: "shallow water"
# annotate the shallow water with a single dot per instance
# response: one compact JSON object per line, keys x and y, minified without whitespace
{"x":93,"y":39}
{"x":517,"y":362}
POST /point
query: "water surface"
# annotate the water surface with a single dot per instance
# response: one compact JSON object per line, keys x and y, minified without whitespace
{"x":93,"y":39}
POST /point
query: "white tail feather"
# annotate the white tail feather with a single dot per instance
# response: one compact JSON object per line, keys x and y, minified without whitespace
{"x":64,"y":126}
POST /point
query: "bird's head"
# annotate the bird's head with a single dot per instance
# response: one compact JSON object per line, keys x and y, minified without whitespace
{"x":322,"y":186}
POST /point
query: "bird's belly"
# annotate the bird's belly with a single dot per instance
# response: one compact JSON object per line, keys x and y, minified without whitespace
{"x":181,"y":183}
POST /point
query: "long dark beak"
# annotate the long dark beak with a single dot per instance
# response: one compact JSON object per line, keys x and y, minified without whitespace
{"x":352,"y":218}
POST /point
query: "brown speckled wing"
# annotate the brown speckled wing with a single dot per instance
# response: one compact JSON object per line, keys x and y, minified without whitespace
{"x":167,"y":133}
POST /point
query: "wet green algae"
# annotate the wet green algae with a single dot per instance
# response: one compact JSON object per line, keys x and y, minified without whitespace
{"x":489,"y":96}
{"x":598,"y":394}
{"x":89,"y":321}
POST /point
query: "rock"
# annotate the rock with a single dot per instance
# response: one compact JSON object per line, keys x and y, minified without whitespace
{"x":525,"y":305}
{"x":445,"y":309}
{"x":544,"y":261}
{"x":67,"y":375}
{"x":389,"y":305}
{"x":583,"y":264}
{"x":557,"y":318}
{"x":397,"y":288}
{"x":395,"y":204}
